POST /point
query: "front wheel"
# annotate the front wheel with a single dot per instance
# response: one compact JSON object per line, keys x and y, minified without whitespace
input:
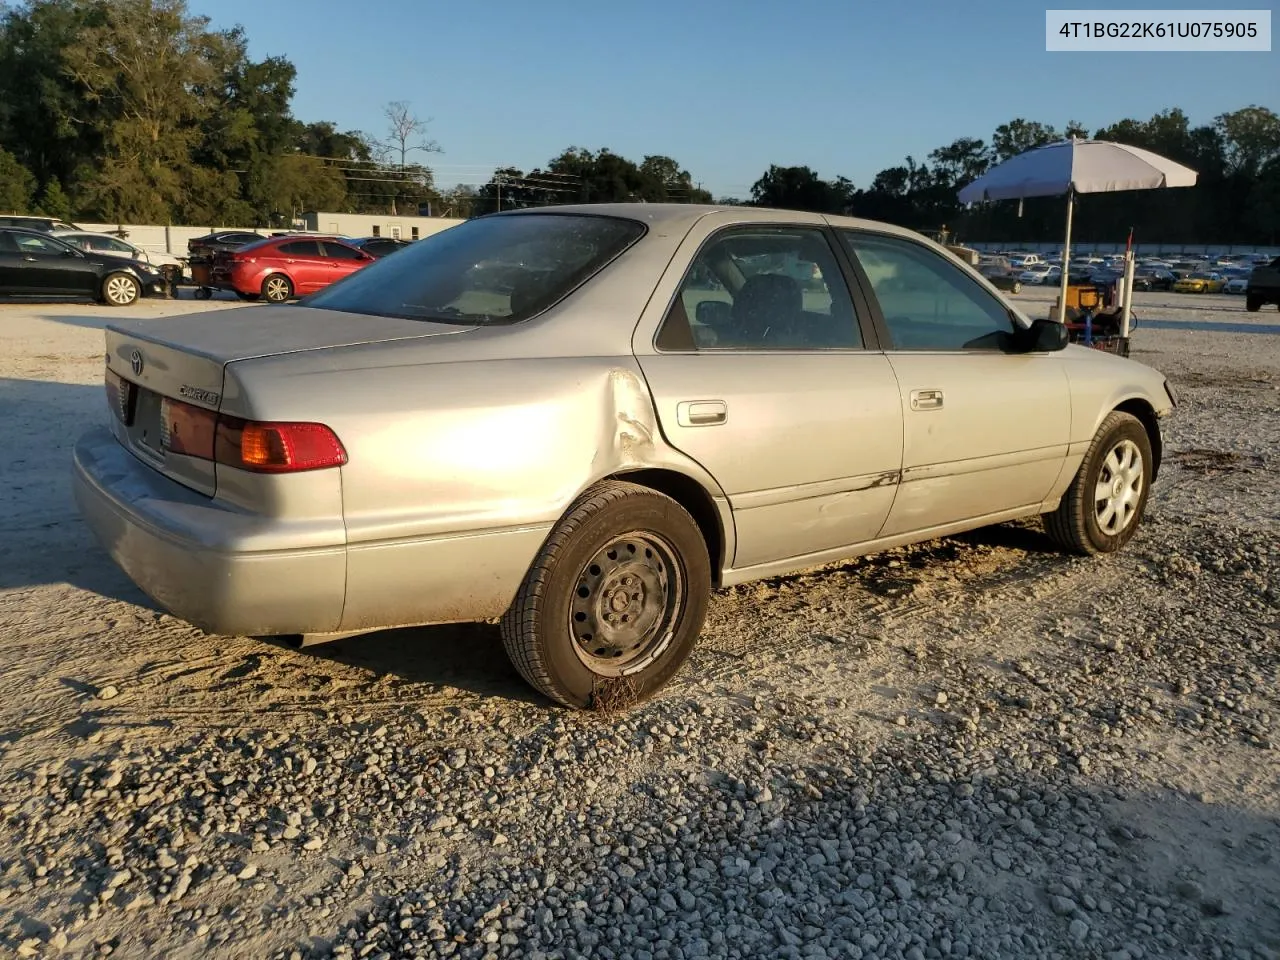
{"x":1017,"y":288}
{"x":612,"y":605}
{"x":121,"y":290}
{"x":277,"y":288}
{"x":1252,"y":304}
{"x":1102,"y":508}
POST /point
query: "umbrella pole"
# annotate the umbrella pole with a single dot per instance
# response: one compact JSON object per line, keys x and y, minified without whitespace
{"x":1066,"y":260}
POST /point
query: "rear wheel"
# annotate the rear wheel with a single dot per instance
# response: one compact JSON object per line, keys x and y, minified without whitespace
{"x":277,"y":288}
{"x":1102,"y":508}
{"x":1252,"y":304}
{"x":612,"y":605}
{"x":120,"y":290}
{"x":1017,"y":288}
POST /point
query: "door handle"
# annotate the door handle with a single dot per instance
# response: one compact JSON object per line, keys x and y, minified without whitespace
{"x":701,"y":413}
{"x":31,"y":259}
{"x":926,"y":399}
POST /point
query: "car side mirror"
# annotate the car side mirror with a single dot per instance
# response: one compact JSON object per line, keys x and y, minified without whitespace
{"x":1044,"y":336}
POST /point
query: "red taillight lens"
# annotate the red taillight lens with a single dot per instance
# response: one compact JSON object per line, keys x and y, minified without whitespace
{"x":277,"y":447}
{"x":246,"y":444}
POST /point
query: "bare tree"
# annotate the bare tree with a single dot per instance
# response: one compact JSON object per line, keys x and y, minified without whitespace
{"x":405,"y":134}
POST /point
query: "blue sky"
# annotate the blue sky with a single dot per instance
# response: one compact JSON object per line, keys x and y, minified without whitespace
{"x":847,"y":87}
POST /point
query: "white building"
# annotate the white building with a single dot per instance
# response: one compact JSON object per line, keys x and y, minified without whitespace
{"x":375,"y":225}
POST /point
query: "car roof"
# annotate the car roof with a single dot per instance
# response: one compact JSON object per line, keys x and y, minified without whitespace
{"x":42,"y":234}
{"x":677,"y":216}
{"x":30,"y":218}
{"x":91,"y":233}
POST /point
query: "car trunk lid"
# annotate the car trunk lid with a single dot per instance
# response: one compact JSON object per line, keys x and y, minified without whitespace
{"x":156,"y":368}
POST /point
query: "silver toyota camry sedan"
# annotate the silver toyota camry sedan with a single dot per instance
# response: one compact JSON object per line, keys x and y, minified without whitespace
{"x":580,"y":420}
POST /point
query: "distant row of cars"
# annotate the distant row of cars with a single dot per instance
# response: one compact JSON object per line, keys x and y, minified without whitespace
{"x":45,"y":256}
{"x":1228,"y":274}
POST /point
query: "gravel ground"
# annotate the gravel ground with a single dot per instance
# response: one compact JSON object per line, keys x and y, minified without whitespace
{"x":973,"y":747}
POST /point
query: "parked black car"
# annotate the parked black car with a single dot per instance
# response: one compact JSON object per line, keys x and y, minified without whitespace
{"x":36,"y":263}
{"x":43,"y":224}
{"x":1264,"y":286}
{"x":1153,"y":278}
{"x":377,"y":246}
{"x":211,"y":243}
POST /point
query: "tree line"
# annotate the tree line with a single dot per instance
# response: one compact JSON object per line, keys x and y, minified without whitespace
{"x":1236,"y":197}
{"x":138,"y":111}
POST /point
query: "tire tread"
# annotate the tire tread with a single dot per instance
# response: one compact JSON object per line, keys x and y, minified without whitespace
{"x":519,"y":623}
{"x":1066,"y":525}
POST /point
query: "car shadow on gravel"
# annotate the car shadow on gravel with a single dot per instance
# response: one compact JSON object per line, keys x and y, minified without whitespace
{"x":464,"y":656}
{"x":43,"y":540}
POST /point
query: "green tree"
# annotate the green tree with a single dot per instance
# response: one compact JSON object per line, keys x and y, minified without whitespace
{"x":45,"y":119}
{"x":1264,"y":203}
{"x":1251,"y":138}
{"x":800,"y":188}
{"x":289,"y":185}
{"x":670,"y":181}
{"x":54,"y":201}
{"x":1019,"y":136}
{"x":16,"y":184}
{"x":144,"y":65}
{"x":962,"y":161}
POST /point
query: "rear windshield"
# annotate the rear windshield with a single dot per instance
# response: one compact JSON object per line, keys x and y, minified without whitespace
{"x":492,"y":270}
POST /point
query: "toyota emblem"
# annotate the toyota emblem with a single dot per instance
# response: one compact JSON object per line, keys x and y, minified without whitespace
{"x":135,"y":361}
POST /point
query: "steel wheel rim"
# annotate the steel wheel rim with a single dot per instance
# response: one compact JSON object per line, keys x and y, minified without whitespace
{"x":1118,"y":490}
{"x":120,"y":290}
{"x":277,"y":289}
{"x":623,"y":610}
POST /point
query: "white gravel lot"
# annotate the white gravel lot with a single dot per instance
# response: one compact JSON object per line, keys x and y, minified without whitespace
{"x":975,"y":747}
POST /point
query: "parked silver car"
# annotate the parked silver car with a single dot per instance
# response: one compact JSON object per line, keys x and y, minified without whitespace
{"x":645,"y":403}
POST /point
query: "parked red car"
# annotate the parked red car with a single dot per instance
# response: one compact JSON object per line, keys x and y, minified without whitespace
{"x":280,"y":268}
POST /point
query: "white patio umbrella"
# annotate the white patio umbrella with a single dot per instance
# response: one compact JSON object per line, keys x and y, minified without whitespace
{"x":1076,"y":166}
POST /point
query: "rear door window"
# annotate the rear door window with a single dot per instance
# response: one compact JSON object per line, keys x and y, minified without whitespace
{"x":339,"y":251}
{"x":301,"y":248}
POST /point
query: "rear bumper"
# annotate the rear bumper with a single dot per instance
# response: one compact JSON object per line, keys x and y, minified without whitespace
{"x":200,"y":559}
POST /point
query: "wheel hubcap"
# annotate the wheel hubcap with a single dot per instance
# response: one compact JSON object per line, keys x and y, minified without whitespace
{"x":276,"y":289}
{"x":625,"y":605}
{"x":120,"y":290}
{"x":1119,"y":488}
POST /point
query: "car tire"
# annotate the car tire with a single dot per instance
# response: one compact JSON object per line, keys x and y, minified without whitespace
{"x":1120,"y":460}
{"x":277,"y":288}
{"x":1017,"y":288}
{"x":1252,"y":304}
{"x":614,"y":601}
{"x":120,"y":290}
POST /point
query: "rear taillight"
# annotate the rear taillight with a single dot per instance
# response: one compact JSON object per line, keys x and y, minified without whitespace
{"x":261,"y":447}
{"x":119,"y":395}
{"x":237,"y":258}
{"x":277,"y":447}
